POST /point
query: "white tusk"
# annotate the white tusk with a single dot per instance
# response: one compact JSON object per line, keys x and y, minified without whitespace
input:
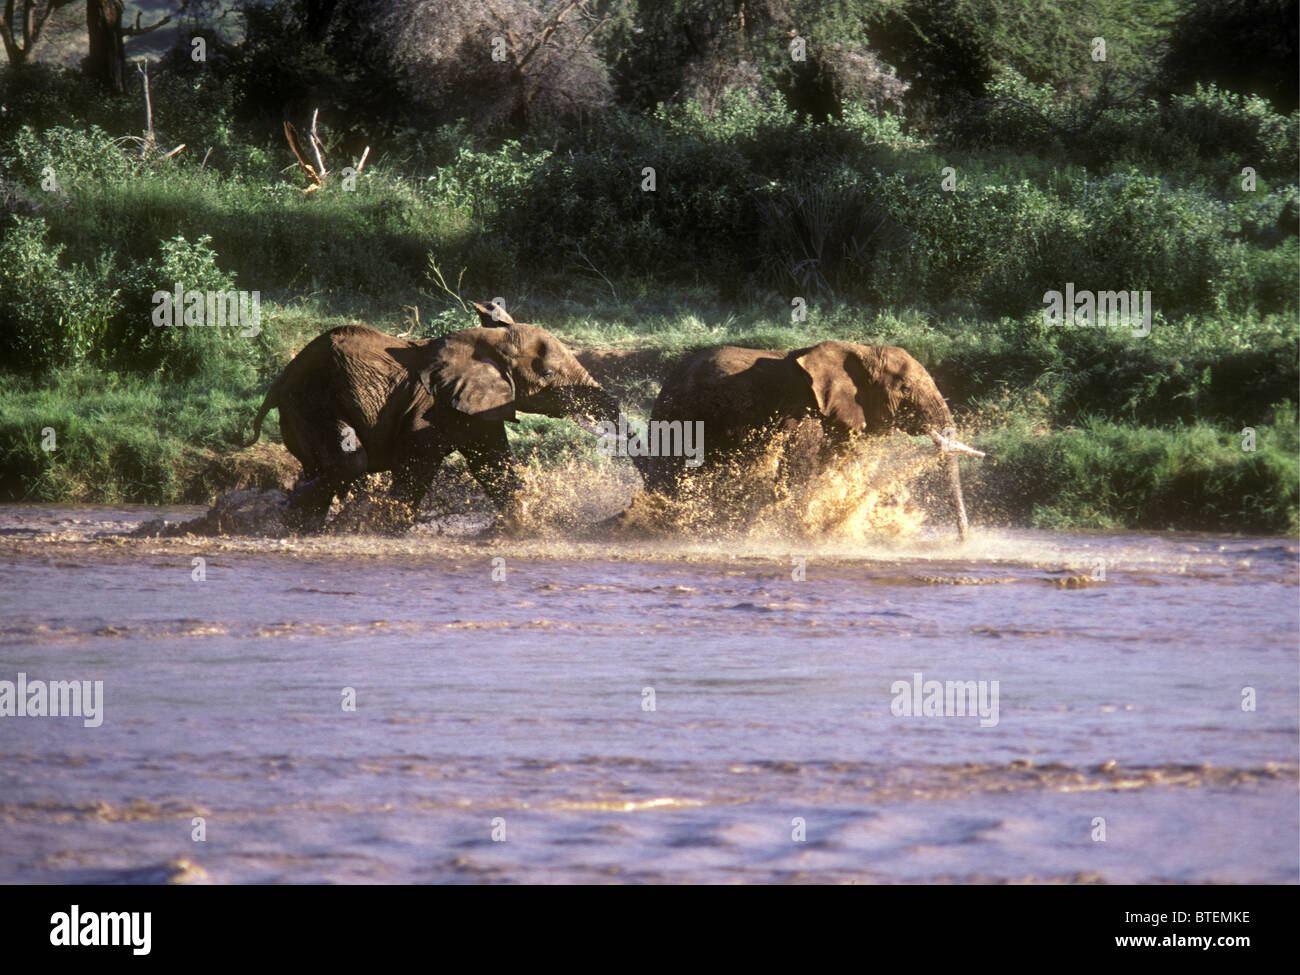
{"x":952,"y":445}
{"x":586,"y":424}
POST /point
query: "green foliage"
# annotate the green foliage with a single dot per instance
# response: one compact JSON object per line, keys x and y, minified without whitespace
{"x":137,"y":342}
{"x":72,"y":155}
{"x":49,"y":314}
{"x":1210,"y":134}
{"x":1248,"y":46}
{"x":773,"y":179}
{"x":942,"y":46}
{"x":1051,"y":41}
{"x":1108,"y":477}
{"x":118,"y":438}
{"x":43,"y":97}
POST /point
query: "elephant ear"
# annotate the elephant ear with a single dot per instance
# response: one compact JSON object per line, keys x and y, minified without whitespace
{"x":842,"y":385}
{"x":471,"y":375}
{"x":493,"y":315}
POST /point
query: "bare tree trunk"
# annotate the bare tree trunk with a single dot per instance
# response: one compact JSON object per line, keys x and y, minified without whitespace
{"x":107,"y":58}
{"x":13,"y":50}
{"x":26,"y":17}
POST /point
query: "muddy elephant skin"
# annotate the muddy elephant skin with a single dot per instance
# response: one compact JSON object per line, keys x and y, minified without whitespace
{"x":816,"y":396}
{"x":357,"y":401}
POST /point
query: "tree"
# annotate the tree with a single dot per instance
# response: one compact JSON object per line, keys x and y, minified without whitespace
{"x":28,"y":17}
{"x":106,"y":61}
{"x":107,"y":58}
{"x":1244,"y":46}
{"x":505,"y":62}
{"x":814,"y":52}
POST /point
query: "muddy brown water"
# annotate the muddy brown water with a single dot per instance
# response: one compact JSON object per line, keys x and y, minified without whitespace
{"x":654,"y":709}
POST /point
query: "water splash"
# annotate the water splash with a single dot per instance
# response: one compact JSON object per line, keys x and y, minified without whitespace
{"x":866,"y":492}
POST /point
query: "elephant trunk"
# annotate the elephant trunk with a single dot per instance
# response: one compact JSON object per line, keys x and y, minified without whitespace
{"x":959,"y":503}
{"x":941,"y":431}
{"x":590,"y":405}
{"x":598,"y":404}
{"x":603,"y":415}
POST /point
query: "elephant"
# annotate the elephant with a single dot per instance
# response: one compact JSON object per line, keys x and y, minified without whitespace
{"x":817,"y":396}
{"x":356,"y":400}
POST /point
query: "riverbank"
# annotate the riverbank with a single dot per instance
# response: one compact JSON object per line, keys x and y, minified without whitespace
{"x":1190,"y":428}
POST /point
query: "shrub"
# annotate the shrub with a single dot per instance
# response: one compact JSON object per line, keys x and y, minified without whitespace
{"x":136,"y":342}
{"x":1143,"y":235}
{"x":49,"y":314}
{"x":1247,"y":46}
{"x":1210,"y":133}
{"x":1104,"y":476}
{"x":74,"y":155}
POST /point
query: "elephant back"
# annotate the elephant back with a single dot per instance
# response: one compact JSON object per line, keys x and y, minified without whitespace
{"x":729,"y":388}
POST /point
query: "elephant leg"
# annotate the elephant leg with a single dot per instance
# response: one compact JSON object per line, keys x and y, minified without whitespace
{"x":413,"y":473}
{"x":489,"y":460}
{"x":339,"y":460}
{"x":801,"y":455}
{"x":310,"y":502}
{"x":661,"y":475}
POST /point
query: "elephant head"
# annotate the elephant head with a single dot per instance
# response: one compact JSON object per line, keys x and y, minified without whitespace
{"x":874,"y":389}
{"x":508,"y":367}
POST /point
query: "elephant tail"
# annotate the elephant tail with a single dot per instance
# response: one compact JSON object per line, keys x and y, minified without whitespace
{"x":267,"y":405}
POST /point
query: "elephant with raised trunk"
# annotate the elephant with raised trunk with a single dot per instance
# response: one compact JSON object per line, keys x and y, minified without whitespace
{"x":356,"y":401}
{"x":816,"y":397}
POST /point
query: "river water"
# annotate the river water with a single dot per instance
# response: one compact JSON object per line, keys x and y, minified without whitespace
{"x":648,"y":711}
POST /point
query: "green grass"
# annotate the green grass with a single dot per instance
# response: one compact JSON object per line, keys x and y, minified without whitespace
{"x":115,"y":438}
{"x":1083,"y":428}
{"x":1105,"y":476}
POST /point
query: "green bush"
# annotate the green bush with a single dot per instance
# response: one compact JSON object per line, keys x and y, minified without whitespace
{"x":1144,"y":235}
{"x":1107,"y":477}
{"x":49,"y":314}
{"x":138,"y":343}
{"x":71,"y":155}
{"x":42,"y":96}
{"x":1210,"y":134}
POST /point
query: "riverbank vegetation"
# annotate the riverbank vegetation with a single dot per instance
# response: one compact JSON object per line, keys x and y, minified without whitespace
{"x":922,"y":178}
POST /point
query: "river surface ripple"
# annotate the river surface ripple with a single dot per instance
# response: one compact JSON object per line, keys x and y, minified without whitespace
{"x":503,"y":729}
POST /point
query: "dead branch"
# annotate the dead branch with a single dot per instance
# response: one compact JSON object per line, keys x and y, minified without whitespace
{"x":143,"y":66}
{"x":311,"y":157}
{"x":314,"y":177}
{"x":316,"y":146}
{"x":137,"y":30}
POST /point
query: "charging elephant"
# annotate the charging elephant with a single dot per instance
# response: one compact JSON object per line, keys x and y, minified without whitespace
{"x":356,"y":401}
{"x":816,"y":396}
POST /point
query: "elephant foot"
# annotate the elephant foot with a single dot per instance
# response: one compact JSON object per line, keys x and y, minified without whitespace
{"x":371,"y":514}
{"x":507,"y":525}
{"x":302,"y":522}
{"x":503,"y":528}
